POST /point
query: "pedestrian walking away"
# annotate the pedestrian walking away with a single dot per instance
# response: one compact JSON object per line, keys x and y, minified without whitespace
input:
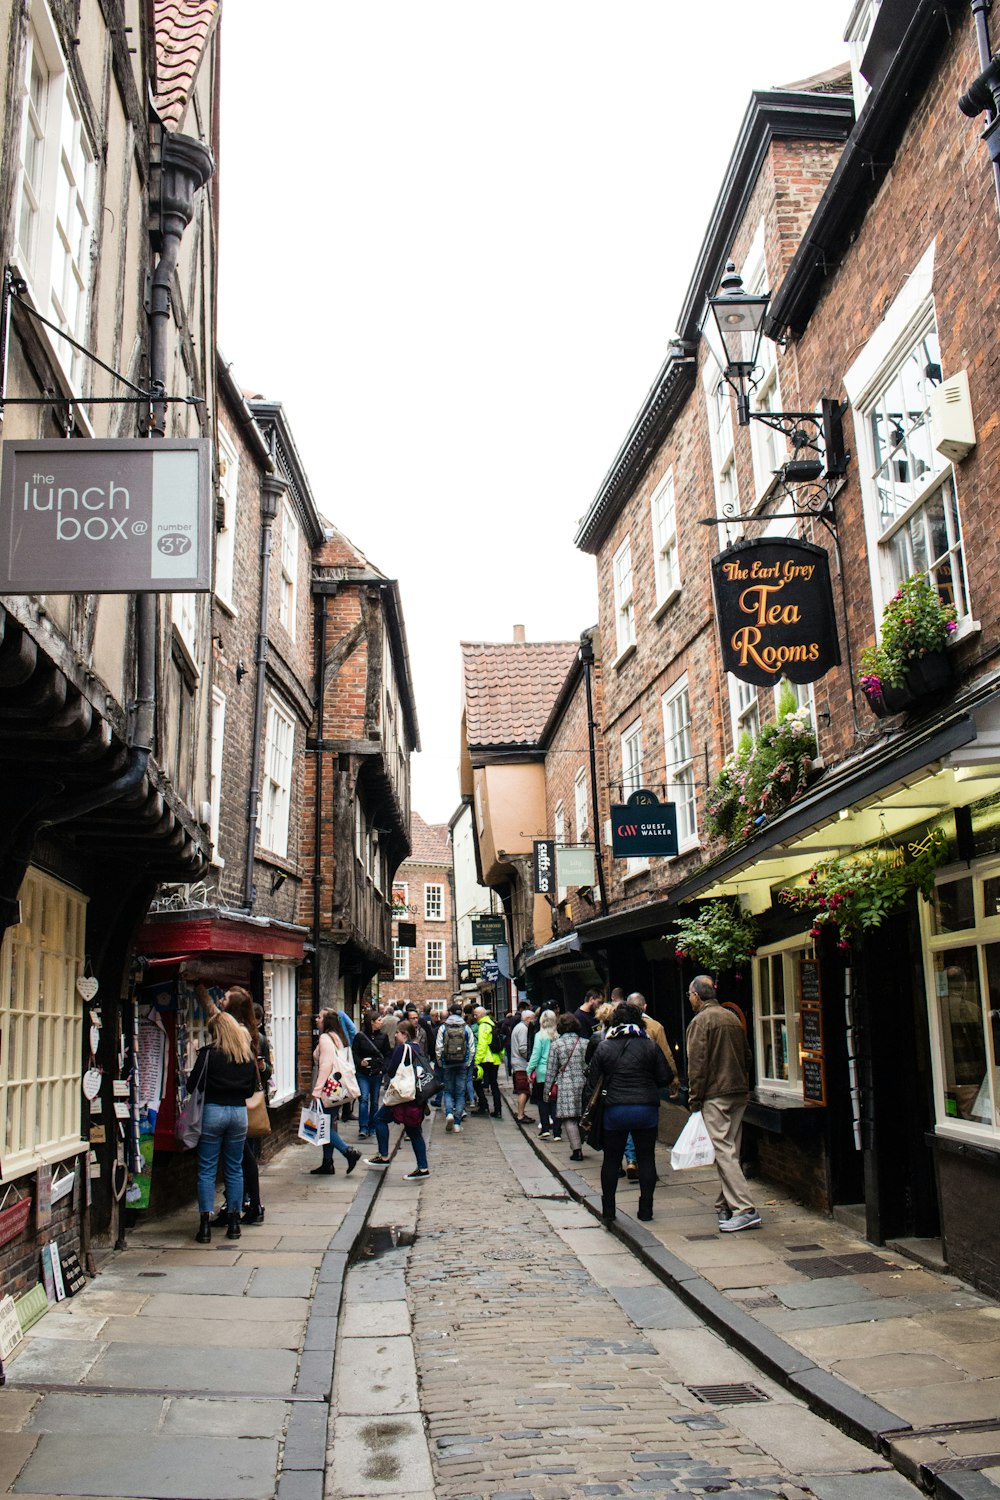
{"x":632,"y":1073}
{"x":489,"y":1056}
{"x":409,"y":1113}
{"x":369,"y":1050}
{"x":227,"y":1071}
{"x":334,"y":1074}
{"x":537,"y":1069}
{"x":455,"y":1053}
{"x":565,"y":1079}
{"x":519,"y":1053}
{"x":719,"y":1064}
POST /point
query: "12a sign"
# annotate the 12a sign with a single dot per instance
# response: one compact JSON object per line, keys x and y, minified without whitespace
{"x":98,"y":516}
{"x":774,"y":602}
{"x":643,"y":827}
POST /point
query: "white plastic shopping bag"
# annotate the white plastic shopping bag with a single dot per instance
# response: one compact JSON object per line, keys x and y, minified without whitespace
{"x":402,"y":1087}
{"x":693,"y":1147}
{"x":314,"y":1124}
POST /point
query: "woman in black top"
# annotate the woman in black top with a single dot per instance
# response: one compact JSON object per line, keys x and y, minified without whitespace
{"x":369,"y":1056}
{"x":227,"y":1065}
{"x":633,"y":1072}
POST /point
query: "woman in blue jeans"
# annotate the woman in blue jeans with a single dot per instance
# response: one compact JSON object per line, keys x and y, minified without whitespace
{"x":370,"y":1051}
{"x":228,"y":1072}
{"x":410,"y":1116}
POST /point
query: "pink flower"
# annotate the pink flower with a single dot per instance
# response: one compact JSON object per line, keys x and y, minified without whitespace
{"x":814,"y":932}
{"x":844,"y":947}
{"x":951,"y":625}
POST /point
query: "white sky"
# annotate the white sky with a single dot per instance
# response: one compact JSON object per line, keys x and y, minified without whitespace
{"x":455,"y":241}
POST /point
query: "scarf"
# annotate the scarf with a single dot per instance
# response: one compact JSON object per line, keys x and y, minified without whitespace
{"x":624,"y":1031}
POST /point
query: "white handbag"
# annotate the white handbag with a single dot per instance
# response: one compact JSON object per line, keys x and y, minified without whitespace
{"x":402,"y":1087}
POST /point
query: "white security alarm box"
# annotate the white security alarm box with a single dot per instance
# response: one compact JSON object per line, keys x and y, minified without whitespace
{"x":953,"y":431}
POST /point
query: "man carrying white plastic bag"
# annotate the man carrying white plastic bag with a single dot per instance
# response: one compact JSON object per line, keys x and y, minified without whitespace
{"x":693,"y":1147}
{"x":719,"y":1063}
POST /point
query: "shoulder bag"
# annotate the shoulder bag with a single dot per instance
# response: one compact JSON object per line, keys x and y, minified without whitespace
{"x":190,"y":1118}
{"x":258,"y":1119}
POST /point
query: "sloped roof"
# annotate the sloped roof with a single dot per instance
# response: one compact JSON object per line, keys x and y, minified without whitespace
{"x":182,"y":29}
{"x":509,"y":688}
{"x":429,"y":842}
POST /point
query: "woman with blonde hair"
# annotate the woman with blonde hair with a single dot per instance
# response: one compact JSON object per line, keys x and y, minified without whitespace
{"x":228,"y":1072}
{"x":537,"y":1067}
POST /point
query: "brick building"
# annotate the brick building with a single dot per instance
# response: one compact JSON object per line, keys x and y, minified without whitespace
{"x":423,"y":894}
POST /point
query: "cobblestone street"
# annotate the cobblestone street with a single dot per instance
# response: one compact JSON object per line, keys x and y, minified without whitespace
{"x":550,"y":1364}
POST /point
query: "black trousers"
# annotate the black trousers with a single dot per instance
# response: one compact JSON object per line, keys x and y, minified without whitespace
{"x":645,"y":1156}
{"x":251,"y":1174}
{"x":491,"y":1081}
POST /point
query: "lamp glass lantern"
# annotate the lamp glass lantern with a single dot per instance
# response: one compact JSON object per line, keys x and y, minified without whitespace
{"x":739,"y":317}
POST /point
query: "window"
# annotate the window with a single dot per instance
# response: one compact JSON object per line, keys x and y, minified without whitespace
{"x":624,"y":604}
{"x":962,"y":969}
{"x":632,"y":782}
{"x":434,"y":959}
{"x":803,"y":694}
{"x":360,"y":831}
{"x":215,"y":771}
{"x":400,"y":961}
{"x":289,"y":566}
{"x":282,"y":1032}
{"x":857,"y":35}
{"x":559,"y":831}
{"x":229,"y":464}
{"x":663,"y":511}
{"x":433,"y":902}
{"x":745,"y":709}
{"x":41,"y":1016}
{"x":777,"y":1008}
{"x":55,"y":194}
{"x":184,"y":611}
{"x":911,"y":487}
{"x":278,"y":746}
{"x":580,"y":800}
{"x":680,"y":761}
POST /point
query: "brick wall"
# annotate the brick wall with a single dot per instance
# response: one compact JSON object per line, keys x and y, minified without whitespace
{"x":418,"y":989}
{"x":20,"y":1264}
{"x":567,"y":753}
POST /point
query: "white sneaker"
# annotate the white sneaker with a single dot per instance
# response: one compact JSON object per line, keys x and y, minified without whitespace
{"x":458,"y":1130}
{"x":748,"y":1220}
{"x":449,"y":1123}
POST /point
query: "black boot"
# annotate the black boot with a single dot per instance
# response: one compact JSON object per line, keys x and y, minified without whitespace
{"x":645,"y":1206}
{"x":204,"y":1235}
{"x":608,"y":1211}
{"x":325,"y":1169}
{"x":353,"y":1157}
{"x":253,"y":1216}
{"x":233,"y":1232}
{"x":222,"y":1218}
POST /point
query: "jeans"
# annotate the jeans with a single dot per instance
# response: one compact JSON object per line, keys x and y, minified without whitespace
{"x":335,"y":1142}
{"x":370,"y":1085}
{"x":455,"y":1079}
{"x":223,"y":1130}
{"x":470,"y":1083}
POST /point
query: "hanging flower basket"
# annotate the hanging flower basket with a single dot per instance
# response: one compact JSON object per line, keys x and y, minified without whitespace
{"x":855,"y":893}
{"x":764,"y":775}
{"x":722,"y":936}
{"x":910,"y":662}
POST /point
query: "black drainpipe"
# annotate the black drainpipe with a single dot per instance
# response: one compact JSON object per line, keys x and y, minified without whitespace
{"x":318,"y":804}
{"x":271,"y":490}
{"x":587,"y":660}
{"x":984,"y":95}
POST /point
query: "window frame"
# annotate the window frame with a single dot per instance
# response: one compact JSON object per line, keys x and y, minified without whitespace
{"x":282,"y":1032}
{"x":400,"y":960}
{"x":666,"y":546}
{"x":429,"y":915}
{"x":789,"y":950}
{"x":429,"y":973}
{"x":41,"y":1015}
{"x":228,"y":459}
{"x":623,"y":578}
{"x":276,"y":796}
{"x":680,"y":772}
{"x":744,"y":709}
{"x":581,"y":803}
{"x":289,"y":567}
{"x":632,"y":782}
{"x":721,"y":439}
{"x":215,"y":771}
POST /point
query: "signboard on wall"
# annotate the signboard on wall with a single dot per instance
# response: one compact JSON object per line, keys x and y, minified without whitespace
{"x":488,"y":930}
{"x":774,"y":603}
{"x":98,"y":516}
{"x":575,"y":867}
{"x":406,"y":935}
{"x":544,"y":864}
{"x":644,"y":826}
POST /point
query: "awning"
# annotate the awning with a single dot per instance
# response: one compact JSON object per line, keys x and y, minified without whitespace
{"x":948,"y":762}
{"x":217,"y":930}
{"x":558,"y":948}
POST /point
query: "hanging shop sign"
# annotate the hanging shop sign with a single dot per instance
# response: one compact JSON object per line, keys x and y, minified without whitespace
{"x":406,"y":935}
{"x":490,"y":971}
{"x":644,"y":826}
{"x":544,"y":858}
{"x":106,"y":517}
{"x":774,"y":603}
{"x":488,"y":930}
{"x":575,"y":867}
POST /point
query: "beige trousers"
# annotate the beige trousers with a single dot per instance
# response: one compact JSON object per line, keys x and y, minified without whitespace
{"x":724,"y":1123}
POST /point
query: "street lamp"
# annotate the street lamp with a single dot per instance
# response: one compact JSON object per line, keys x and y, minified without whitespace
{"x":739,"y":317}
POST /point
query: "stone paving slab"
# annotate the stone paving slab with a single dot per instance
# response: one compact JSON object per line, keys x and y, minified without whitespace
{"x":91,"y":1414}
{"x":233,"y":1333}
{"x":158,"y":1467}
{"x":194,"y":1367}
{"x":384,"y":1456}
{"x":196,"y":1308}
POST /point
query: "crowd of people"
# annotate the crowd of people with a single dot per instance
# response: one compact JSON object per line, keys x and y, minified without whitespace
{"x":596,"y":1075}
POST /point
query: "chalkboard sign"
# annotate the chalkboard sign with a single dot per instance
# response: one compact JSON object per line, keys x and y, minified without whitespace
{"x":813,"y":1080}
{"x":73,"y":1276}
{"x":809,"y":987}
{"x":812,"y":1029}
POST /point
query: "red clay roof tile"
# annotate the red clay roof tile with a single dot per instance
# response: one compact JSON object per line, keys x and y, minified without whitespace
{"x":509,"y":688}
{"x":182,"y":30}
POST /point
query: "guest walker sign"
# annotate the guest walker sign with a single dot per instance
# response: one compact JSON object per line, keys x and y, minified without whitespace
{"x":102,"y":517}
{"x":775,"y":607}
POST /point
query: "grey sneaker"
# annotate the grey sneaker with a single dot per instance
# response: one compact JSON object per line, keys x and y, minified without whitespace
{"x":722,"y":1214}
{"x":748,"y":1220}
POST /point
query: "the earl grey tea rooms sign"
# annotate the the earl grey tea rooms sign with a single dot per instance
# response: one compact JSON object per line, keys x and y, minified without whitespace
{"x":775,"y":607}
{"x":101,"y":517}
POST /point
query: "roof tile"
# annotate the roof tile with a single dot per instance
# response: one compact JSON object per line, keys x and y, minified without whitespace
{"x":509,"y":688}
{"x":430,"y":844}
{"x":182,"y":30}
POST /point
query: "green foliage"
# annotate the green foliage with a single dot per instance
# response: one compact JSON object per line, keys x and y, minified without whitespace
{"x":762,"y":777}
{"x":722,"y":936}
{"x":855,"y":893}
{"x":915,"y":621}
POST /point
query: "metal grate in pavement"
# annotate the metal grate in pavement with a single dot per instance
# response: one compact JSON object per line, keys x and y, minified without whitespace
{"x":862,"y":1263}
{"x":800,"y":1249}
{"x":974,"y":1461}
{"x":735,"y":1394}
{"x":767,"y":1299}
{"x":701,"y":1237}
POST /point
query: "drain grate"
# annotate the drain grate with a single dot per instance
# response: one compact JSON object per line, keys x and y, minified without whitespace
{"x":861,"y":1263}
{"x":755,"y":1303}
{"x":799,"y":1249}
{"x":151,"y":1273}
{"x":736,"y":1394}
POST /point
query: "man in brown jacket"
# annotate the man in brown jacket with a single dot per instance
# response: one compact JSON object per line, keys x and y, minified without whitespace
{"x":719,"y":1062}
{"x":656,"y":1034}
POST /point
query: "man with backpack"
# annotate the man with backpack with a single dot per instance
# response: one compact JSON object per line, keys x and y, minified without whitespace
{"x":455,"y":1050}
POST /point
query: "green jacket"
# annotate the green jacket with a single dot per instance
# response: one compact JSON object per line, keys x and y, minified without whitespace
{"x":486,"y":1051}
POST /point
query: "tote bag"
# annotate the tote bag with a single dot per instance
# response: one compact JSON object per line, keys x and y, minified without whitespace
{"x":190,"y":1118}
{"x":314,"y":1124}
{"x":403,"y":1084}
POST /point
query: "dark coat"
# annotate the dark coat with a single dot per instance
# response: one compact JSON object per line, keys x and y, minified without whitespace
{"x":633,"y":1069}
